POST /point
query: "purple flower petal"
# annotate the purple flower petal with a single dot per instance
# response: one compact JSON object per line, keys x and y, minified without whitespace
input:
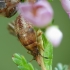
{"x":66,"y":6}
{"x":39,"y":14}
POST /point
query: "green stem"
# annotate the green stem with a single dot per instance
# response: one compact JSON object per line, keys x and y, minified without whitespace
{"x":41,"y":48}
{"x":46,"y":50}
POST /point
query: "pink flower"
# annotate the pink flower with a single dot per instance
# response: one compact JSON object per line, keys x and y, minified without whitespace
{"x":54,"y":35}
{"x":66,"y":6}
{"x":39,"y":14}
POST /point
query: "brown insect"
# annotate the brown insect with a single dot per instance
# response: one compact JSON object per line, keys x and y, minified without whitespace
{"x":27,"y":35}
{"x":10,"y":8}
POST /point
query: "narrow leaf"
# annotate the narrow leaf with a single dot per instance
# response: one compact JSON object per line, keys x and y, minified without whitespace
{"x":48,"y":52}
{"x":61,"y":67}
{"x":21,"y":62}
{"x":30,"y":66}
{"x":17,"y":61}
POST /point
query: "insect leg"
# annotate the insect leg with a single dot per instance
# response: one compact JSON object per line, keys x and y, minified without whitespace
{"x":28,"y":52}
{"x":32,"y":60}
{"x":11,"y":28}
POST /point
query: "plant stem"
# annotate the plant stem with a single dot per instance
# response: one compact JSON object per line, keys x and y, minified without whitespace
{"x":42,"y":64}
{"x":41,"y":48}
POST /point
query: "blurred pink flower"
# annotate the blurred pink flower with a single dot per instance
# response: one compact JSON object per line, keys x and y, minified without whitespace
{"x":39,"y":13}
{"x":54,"y":35}
{"x":66,"y":6}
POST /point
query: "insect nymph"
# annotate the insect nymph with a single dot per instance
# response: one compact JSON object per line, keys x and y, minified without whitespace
{"x":10,"y":8}
{"x":26,"y":35}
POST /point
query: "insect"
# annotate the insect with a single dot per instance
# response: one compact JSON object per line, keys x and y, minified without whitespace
{"x":10,"y":8}
{"x":27,"y":36}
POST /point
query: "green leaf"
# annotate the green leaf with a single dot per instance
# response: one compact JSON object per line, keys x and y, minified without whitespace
{"x":23,"y":59}
{"x":22,"y":68}
{"x":48,"y":52}
{"x":21,"y":62}
{"x":61,"y":67}
{"x":17,"y":61}
{"x":56,"y":68}
{"x":65,"y":67}
{"x":16,"y":56}
{"x":30,"y":66}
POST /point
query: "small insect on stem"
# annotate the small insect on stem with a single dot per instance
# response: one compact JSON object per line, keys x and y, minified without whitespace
{"x":27,"y":35}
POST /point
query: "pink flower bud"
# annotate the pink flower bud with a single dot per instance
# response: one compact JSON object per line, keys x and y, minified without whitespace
{"x":66,"y":6}
{"x":54,"y":35}
{"x":39,"y":14}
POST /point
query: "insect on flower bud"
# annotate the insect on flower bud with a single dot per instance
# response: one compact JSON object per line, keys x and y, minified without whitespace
{"x":66,"y":6}
{"x":54,"y":35}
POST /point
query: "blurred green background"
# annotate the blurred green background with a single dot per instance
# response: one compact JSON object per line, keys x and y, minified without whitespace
{"x":10,"y":44}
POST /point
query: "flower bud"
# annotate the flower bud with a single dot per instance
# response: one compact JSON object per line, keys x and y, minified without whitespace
{"x":66,"y":6}
{"x":54,"y":35}
{"x":39,"y":14}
